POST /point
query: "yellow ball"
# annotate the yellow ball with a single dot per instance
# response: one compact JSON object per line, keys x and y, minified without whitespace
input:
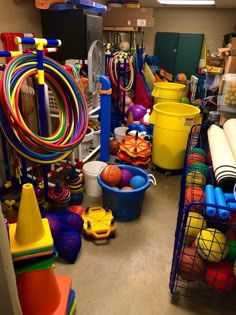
{"x":195,"y":178}
{"x":211,"y":245}
{"x":195,"y":223}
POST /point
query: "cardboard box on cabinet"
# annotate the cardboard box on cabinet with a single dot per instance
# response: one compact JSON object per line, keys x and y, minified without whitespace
{"x":121,"y":17}
{"x":230,"y":65}
{"x":233,"y":46}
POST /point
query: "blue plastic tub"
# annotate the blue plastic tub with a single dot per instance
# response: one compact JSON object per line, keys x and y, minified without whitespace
{"x":126,"y":205}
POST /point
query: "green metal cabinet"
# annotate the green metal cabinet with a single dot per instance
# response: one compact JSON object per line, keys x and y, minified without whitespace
{"x":178,"y":52}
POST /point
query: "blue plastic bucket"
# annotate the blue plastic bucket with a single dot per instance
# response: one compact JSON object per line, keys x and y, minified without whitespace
{"x":126,"y":205}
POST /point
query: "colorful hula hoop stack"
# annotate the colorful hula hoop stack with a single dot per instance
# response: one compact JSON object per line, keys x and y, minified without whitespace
{"x":72,"y":106}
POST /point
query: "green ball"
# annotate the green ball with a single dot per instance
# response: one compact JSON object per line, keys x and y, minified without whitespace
{"x":232,"y":250}
{"x":203,"y":168}
{"x":185,"y":100}
{"x":198,"y":150}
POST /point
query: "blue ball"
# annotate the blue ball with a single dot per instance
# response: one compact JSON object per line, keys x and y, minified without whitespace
{"x":137,"y":181}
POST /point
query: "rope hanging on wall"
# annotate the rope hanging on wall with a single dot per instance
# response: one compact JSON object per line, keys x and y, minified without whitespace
{"x":72,"y":107}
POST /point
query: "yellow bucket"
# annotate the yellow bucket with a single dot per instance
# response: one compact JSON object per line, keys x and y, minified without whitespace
{"x":172,"y":123}
{"x":168,"y":91}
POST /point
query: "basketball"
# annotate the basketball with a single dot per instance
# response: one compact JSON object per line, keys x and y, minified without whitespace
{"x":194,"y":158}
{"x":211,"y":245}
{"x":220,"y":276}
{"x":195,"y":223}
{"x":137,"y":181}
{"x":111,"y":175}
{"x":114,"y":146}
{"x":195,"y":178}
{"x":191,"y":265}
{"x":195,"y":194}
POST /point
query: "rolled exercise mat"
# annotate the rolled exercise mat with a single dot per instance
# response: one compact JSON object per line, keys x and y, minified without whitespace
{"x":229,"y":128}
{"x":223,"y":161}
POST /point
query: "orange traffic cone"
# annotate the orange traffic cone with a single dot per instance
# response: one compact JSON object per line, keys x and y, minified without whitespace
{"x":31,"y":234}
{"x":41,"y":292}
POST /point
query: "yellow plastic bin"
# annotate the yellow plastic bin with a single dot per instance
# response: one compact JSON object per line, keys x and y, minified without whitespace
{"x":168,"y":92}
{"x":172,"y":123}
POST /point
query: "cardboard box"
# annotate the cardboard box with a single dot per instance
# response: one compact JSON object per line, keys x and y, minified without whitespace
{"x":230,"y":65}
{"x":126,"y":17}
{"x":233,"y":46}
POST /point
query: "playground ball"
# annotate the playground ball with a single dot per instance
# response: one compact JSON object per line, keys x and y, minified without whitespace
{"x":220,"y":276}
{"x":185,"y":100}
{"x":191,"y":265}
{"x":126,"y":176}
{"x":199,"y":151}
{"x":124,"y":45}
{"x":180,"y":77}
{"x":195,"y":194}
{"x":114,"y":146}
{"x":195,"y":157}
{"x":137,"y":181}
{"x":195,"y":178}
{"x":137,"y":110}
{"x":39,"y":192}
{"x":111,"y":175}
{"x":231,"y":250}
{"x":126,"y":188}
{"x":195,"y":223}
{"x":201,"y":167}
{"x":211,"y":245}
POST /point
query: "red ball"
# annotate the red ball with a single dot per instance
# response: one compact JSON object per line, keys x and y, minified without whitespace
{"x":195,"y":157}
{"x":195,"y":194}
{"x":111,"y":175}
{"x":220,"y":276}
{"x":191,"y":265}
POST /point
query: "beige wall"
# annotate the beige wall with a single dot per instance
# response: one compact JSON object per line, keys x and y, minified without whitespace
{"x":213,"y":23}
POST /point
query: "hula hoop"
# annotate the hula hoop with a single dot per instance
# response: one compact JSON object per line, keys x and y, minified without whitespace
{"x":72,"y":107}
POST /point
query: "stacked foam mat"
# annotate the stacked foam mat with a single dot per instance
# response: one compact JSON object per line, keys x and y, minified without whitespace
{"x":222,"y":146}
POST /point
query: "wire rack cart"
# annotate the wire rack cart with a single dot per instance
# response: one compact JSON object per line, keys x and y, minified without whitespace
{"x":204,"y":254}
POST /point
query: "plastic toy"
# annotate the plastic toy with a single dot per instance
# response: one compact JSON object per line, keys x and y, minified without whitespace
{"x":99,"y":223}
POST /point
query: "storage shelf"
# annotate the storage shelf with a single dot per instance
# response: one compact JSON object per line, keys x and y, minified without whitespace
{"x":80,"y":4}
{"x":122,"y":28}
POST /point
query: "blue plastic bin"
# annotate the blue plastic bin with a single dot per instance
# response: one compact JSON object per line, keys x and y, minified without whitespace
{"x":126,"y":205}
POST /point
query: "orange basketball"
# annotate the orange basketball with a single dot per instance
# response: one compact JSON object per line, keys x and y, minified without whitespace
{"x":195,"y":194}
{"x":196,"y":157}
{"x":111,"y":175}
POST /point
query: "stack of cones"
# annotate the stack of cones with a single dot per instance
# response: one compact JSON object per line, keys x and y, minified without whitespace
{"x":135,"y":150}
{"x":75,"y":182}
{"x":40,"y":291}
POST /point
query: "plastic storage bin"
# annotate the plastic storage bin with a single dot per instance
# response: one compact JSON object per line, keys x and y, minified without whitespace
{"x":126,"y":205}
{"x":168,"y":92}
{"x":172,"y":123}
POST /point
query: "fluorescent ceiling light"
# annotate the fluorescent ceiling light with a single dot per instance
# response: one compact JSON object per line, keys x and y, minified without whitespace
{"x":187,"y":2}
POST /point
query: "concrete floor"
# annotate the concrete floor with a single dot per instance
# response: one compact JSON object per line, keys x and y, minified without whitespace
{"x":129,"y":275}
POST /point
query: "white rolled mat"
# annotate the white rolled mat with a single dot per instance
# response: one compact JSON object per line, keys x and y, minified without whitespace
{"x":230,"y":132}
{"x":223,"y":161}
